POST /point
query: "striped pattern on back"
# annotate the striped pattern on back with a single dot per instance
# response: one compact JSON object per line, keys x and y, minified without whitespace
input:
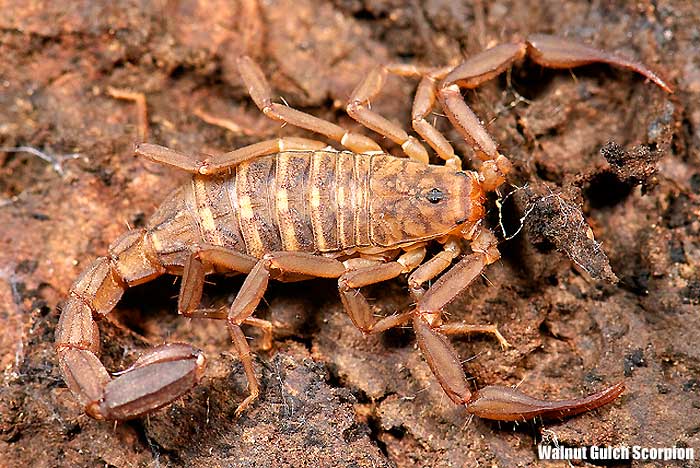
{"x":311,"y":201}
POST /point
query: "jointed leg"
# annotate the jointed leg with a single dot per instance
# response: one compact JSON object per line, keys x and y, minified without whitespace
{"x":252,"y":291}
{"x":468,"y":329}
{"x":355,"y":303}
{"x":191,"y":294}
{"x":359,"y":110}
{"x":261,"y":94}
{"x":265,"y":326}
{"x":495,"y":166}
{"x":422,"y":106}
{"x":254,"y":286}
{"x":193,"y":283}
{"x":141,"y":108}
{"x":432,"y":268}
{"x":194,"y":272}
{"x":209,"y":164}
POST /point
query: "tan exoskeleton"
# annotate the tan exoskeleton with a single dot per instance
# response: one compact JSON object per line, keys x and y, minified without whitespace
{"x":292,"y":209}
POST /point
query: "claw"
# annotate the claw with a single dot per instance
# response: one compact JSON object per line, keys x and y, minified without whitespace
{"x":508,"y":404}
{"x":157,"y":378}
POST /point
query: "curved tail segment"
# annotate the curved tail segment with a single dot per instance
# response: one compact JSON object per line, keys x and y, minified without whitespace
{"x":508,"y":404}
{"x":158,"y":377}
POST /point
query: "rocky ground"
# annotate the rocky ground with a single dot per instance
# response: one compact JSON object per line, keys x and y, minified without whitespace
{"x":595,"y":145}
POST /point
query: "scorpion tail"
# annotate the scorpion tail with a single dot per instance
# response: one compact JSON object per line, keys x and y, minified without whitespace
{"x":508,"y":404}
{"x":157,"y":378}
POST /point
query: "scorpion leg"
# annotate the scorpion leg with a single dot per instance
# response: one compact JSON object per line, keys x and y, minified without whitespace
{"x":260,"y":92}
{"x":431,"y":269}
{"x":273,"y":264}
{"x":423,"y":103}
{"x":228,"y":160}
{"x":215,"y":164}
{"x":140,"y":100}
{"x":422,"y":106}
{"x":468,"y":329}
{"x":194,"y":272}
{"x":355,"y":303}
{"x":358,"y":109}
{"x":193,"y":283}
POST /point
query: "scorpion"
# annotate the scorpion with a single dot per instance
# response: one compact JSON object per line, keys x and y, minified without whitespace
{"x":292,"y":208}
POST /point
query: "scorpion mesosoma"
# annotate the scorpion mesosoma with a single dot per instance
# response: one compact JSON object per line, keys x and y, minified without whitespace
{"x":293,"y":209}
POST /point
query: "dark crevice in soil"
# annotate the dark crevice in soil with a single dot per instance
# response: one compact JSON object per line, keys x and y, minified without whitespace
{"x":375,"y":432}
{"x":372,"y":427}
{"x":139,"y":426}
{"x":605,"y":190}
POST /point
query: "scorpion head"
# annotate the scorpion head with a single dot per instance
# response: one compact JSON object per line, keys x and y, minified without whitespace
{"x":412,"y":202}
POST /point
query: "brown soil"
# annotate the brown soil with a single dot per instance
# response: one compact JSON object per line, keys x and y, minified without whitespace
{"x":596,"y":144}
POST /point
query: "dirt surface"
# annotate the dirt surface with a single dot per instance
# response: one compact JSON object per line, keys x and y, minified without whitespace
{"x":593,"y":147}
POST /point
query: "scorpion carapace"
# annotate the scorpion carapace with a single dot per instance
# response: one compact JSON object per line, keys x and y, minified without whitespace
{"x":293,"y":208}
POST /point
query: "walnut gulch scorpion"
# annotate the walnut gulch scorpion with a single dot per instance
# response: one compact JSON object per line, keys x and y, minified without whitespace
{"x":292,"y":209}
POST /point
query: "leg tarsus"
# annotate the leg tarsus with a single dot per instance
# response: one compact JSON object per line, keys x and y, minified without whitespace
{"x":244,"y":354}
{"x":466,"y":329}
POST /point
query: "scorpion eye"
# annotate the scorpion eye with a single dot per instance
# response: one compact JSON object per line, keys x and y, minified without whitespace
{"x":434,"y":195}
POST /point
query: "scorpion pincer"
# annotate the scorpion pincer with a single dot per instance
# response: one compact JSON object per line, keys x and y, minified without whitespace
{"x":293,"y":208}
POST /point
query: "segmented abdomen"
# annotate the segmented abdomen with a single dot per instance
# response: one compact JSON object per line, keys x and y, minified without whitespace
{"x":293,"y":201}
